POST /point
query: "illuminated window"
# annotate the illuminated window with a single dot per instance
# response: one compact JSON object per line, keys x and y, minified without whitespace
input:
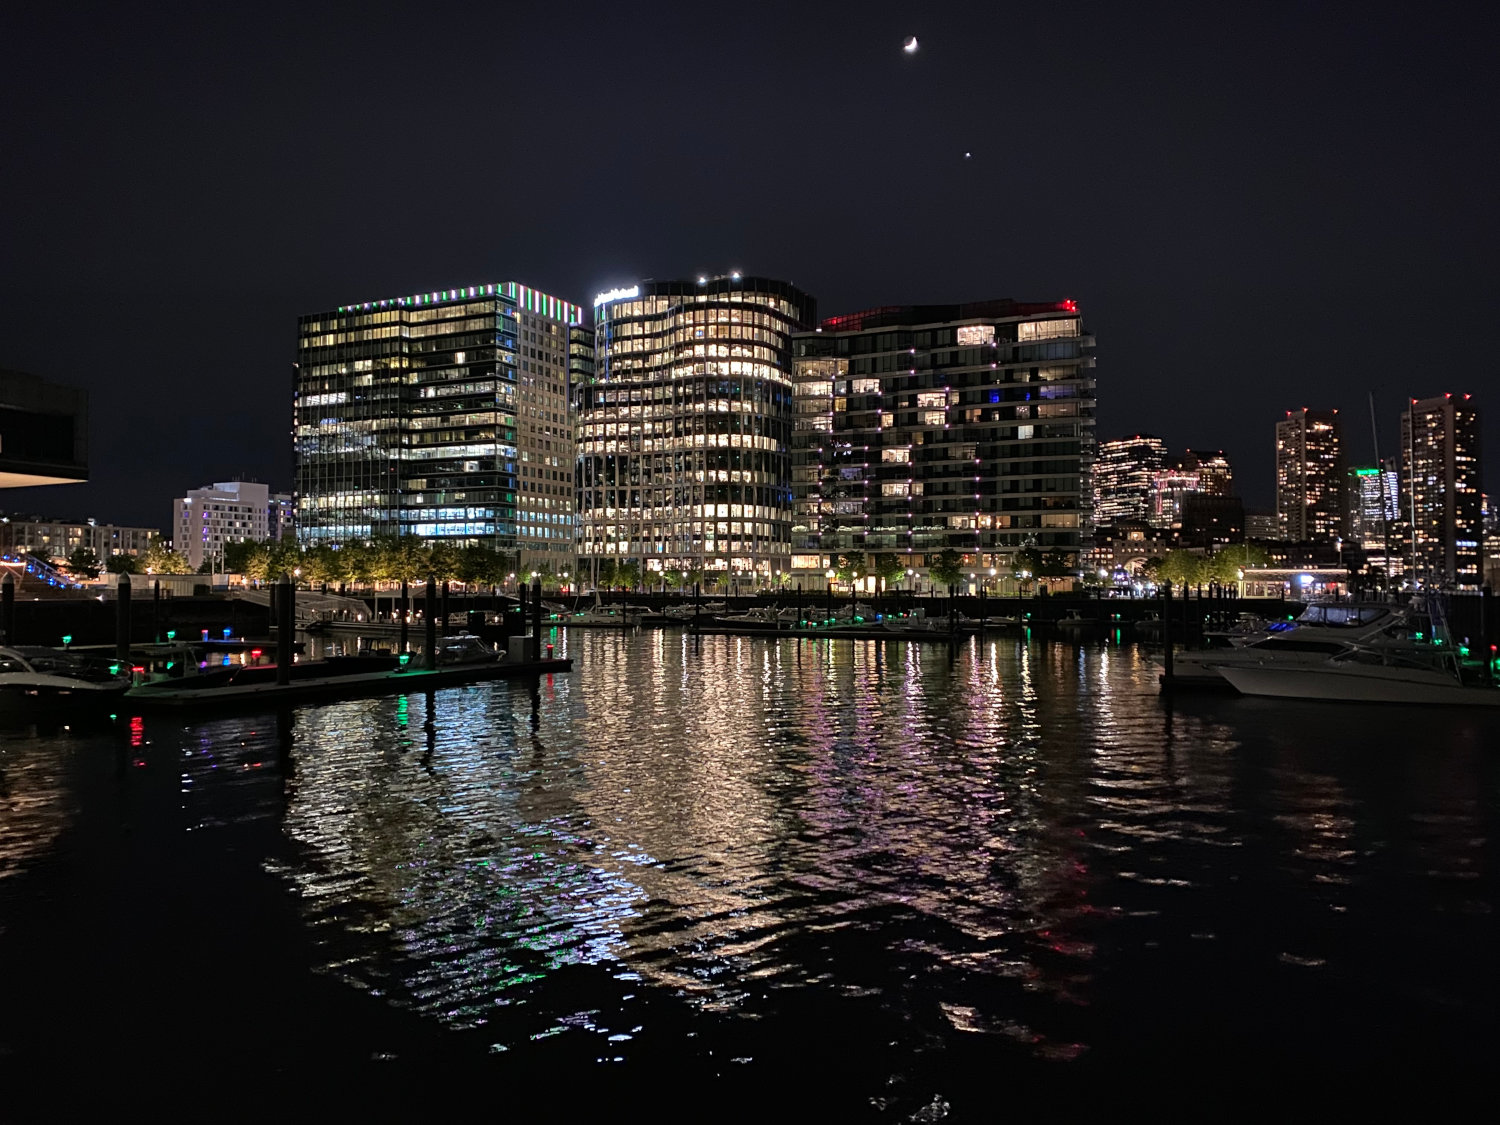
{"x":1047,"y":329}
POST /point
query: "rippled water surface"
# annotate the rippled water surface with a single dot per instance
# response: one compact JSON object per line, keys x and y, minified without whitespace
{"x":927,"y":882}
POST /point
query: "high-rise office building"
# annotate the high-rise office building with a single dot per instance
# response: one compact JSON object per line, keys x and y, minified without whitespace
{"x":1215,"y":478}
{"x":1373,"y":496}
{"x":1310,"y":476}
{"x":684,"y":431}
{"x":1442,"y":491}
{"x":443,"y":415}
{"x":1125,"y":478}
{"x":1169,"y":488}
{"x":927,"y":428}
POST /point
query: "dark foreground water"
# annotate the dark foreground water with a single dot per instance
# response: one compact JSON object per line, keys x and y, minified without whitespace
{"x":705,"y":878}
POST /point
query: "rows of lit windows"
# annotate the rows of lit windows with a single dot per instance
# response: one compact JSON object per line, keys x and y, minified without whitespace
{"x":918,"y":457}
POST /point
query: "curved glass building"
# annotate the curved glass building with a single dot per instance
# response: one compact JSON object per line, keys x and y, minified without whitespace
{"x":684,"y":429}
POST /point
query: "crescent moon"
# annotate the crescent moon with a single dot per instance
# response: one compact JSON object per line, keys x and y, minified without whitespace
{"x":910,"y":46}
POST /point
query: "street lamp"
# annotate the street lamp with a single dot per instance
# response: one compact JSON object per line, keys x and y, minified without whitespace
{"x":830,"y":576}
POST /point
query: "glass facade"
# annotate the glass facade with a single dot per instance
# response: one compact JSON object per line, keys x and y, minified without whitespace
{"x":1125,"y":478}
{"x":441,"y":415}
{"x":1442,"y":497}
{"x":684,"y":428}
{"x":927,"y":428}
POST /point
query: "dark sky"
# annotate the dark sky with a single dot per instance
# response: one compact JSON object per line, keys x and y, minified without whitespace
{"x":1258,"y":206}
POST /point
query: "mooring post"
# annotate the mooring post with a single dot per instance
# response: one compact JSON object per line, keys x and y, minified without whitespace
{"x":122,"y":619}
{"x":1485,"y":650}
{"x":429,"y":625}
{"x":402,"y":613}
{"x":1166,"y":631}
{"x":445,"y":607}
{"x":286,"y":628}
{"x":536,"y":619}
{"x":156,"y":611}
{"x":8,"y":607}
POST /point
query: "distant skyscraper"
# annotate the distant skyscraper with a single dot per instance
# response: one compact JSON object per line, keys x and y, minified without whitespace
{"x":925,"y":428}
{"x":685,"y":429}
{"x":1169,"y":487}
{"x":1442,"y":493}
{"x":1310,"y":476}
{"x":1125,"y":479}
{"x":443,"y":415}
{"x":1215,"y":478}
{"x":1374,"y":506}
{"x":1374,"y":500}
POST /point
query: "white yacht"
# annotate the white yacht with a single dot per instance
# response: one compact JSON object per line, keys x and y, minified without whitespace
{"x":54,"y":675}
{"x":1367,"y":675}
{"x":759,"y":617}
{"x":1320,"y":632}
{"x":600,"y":616}
{"x":687,"y":611}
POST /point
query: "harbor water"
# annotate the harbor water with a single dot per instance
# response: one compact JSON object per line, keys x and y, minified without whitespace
{"x":809,"y":879}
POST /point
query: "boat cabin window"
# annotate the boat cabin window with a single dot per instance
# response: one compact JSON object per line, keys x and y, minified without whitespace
{"x":1289,"y":645}
{"x":1349,"y":616}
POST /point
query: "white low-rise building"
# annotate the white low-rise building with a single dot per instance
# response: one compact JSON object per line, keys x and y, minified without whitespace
{"x":233,"y":511}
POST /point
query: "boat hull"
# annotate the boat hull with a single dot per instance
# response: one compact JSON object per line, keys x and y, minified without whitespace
{"x":1362,"y":685}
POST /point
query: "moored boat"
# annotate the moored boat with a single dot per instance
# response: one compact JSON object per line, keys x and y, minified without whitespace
{"x":1364,"y":675}
{"x":34,"y":673}
{"x":1320,"y":632}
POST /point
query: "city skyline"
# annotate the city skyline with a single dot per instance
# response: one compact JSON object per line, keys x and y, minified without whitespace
{"x":1244,"y":245}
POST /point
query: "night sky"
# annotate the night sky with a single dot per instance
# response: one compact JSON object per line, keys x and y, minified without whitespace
{"x":1258,"y":206}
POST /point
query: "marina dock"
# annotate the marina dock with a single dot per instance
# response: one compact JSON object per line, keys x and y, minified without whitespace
{"x":181,"y":695}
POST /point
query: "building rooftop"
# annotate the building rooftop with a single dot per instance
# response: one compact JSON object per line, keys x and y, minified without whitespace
{"x":886,"y":316}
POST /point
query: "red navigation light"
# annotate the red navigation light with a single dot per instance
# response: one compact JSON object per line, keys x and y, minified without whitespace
{"x":255,"y":654}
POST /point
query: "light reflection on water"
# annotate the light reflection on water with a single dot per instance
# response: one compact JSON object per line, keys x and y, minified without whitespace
{"x":1011,"y":841}
{"x":711,"y":814}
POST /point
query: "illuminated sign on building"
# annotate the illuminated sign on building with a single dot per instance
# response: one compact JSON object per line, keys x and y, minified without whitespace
{"x":616,"y":295}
